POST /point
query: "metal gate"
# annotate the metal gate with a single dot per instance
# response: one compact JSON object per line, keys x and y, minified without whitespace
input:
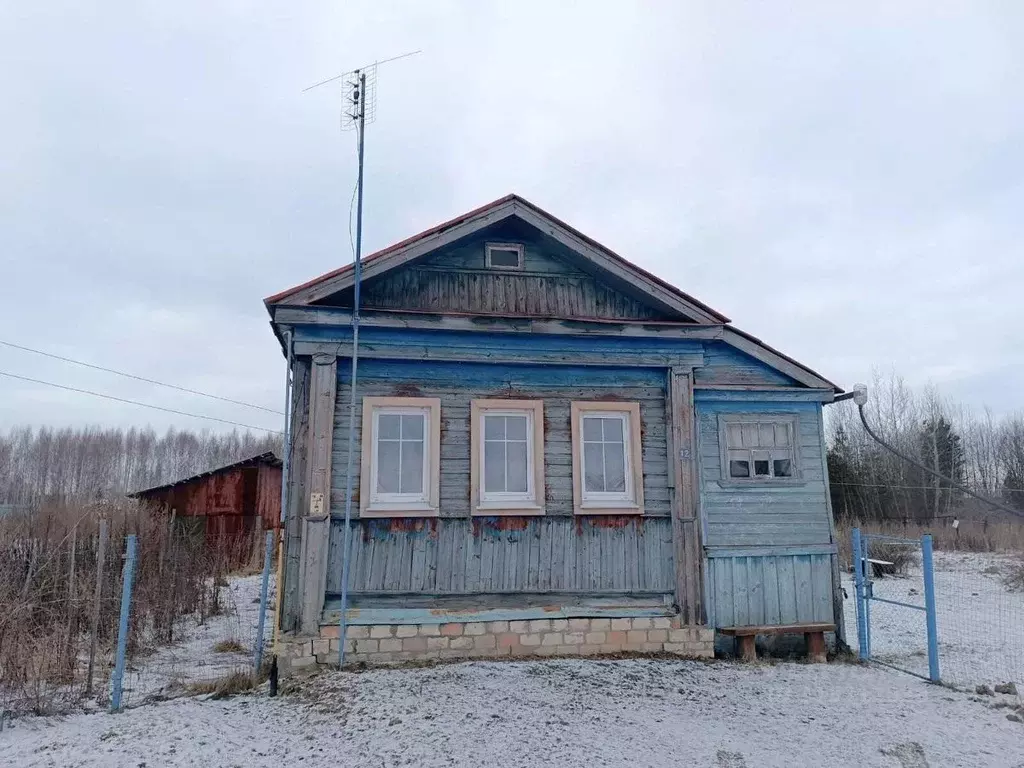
{"x":867,"y":570}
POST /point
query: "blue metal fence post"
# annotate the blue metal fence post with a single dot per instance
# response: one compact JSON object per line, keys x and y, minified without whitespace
{"x":128,"y":575}
{"x":929,"y":605}
{"x":262,"y":621}
{"x":858,"y":580}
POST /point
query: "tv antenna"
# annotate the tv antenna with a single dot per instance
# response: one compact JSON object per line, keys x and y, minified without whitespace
{"x":360,"y":108}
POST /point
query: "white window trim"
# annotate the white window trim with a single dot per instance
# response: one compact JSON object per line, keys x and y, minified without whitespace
{"x":531,"y":503}
{"x":630,"y":502}
{"x":372,"y":504}
{"x":792,"y":420}
{"x":519,"y":247}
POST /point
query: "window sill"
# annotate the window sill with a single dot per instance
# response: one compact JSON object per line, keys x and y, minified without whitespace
{"x":404,"y":510}
{"x":498,"y":510}
{"x":735,"y":483}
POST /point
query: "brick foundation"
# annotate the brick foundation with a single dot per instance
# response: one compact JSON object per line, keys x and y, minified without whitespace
{"x":396,"y":643}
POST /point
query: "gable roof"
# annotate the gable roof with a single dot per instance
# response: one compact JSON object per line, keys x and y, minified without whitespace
{"x":269,"y":458}
{"x":654,"y":289}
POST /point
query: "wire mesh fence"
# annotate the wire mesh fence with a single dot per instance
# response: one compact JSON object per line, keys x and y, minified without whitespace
{"x":979,"y":610}
{"x":192,"y":622}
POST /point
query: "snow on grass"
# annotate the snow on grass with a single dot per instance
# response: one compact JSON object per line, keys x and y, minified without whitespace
{"x":980,"y":621}
{"x":203,"y":651}
{"x":554,"y":712}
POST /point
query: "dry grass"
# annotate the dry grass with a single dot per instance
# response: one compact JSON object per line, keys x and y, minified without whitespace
{"x":48,"y":571}
{"x":971,"y":536}
{"x":229,"y":685}
{"x":228,"y":646}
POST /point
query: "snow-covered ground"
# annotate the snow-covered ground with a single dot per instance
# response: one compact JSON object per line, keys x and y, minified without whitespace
{"x":980,"y":622}
{"x":193,"y":656}
{"x":552,"y":712}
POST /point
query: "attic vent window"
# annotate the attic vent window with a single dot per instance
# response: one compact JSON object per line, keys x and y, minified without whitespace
{"x":504,"y":256}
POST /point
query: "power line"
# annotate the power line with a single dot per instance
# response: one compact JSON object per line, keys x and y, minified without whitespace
{"x":907,"y":487}
{"x":136,"y":402}
{"x":138,"y":378}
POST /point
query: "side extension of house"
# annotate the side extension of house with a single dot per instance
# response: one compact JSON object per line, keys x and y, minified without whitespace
{"x":555,"y":453}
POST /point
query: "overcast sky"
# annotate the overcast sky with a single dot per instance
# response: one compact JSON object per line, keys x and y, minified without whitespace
{"x":846,"y":183}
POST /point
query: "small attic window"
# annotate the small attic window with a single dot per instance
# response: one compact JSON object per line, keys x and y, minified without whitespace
{"x":504,"y":256}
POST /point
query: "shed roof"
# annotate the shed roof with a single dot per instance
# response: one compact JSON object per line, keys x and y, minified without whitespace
{"x":268,"y":458}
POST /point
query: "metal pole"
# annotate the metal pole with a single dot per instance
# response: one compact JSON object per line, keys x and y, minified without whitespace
{"x":357,"y":279}
{"x":929,"y":604}
{"x":858,"y":580}
{"x":869,"y":589}
{"x":101,"y":553}
{"x":122,"y":627}
{"x":268,"y":555}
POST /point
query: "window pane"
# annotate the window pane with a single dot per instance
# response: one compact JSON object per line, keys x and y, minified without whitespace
{"x":593,"y":470}
{"x":515,"y":427}
{"x":387,"y":466}
{"x":591,"y":428}
{"x":766,"y":435}
{"x":613,"y":430}
{"x":783,"y":468}
{"x":517,"y":468}
{"x":782,"y":435}
{"x":615,"y":467}
{"x":734,"y":436}
{"x":749,"y":435}
{"x":760,"y":467}
{"x":494,"y":467}
{"x":739,"y":468}
{"x":494,"y":427}
{"x":412,"y":466}
{"x":504,"y":257}
{"x":389,"y":426}
{"x":412,"y":427}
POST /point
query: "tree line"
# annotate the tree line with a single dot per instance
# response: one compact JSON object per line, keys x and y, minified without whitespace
{"x":977,"y":450}
{"x":45,"y":464}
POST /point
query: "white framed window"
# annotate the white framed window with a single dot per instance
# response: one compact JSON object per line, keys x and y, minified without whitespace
{"x":606,"y":458}
{"x":759,"y":449}
{"x":507,"y":467}
{"x":400,"y":456}
{"x":504,"y":255}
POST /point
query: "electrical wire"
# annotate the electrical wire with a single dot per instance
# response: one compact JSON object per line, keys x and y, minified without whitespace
{"x":929,"y":470}
{"x":901,"y":487}
{"x":136,"y":402}
{"x":137,"y":378}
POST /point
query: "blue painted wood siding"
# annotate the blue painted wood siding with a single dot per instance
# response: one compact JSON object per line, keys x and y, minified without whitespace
{"x":727,"y":365}
{"x":763,"y":514}
{"x":460,"y":555}
{"x":595,"y":555}
{"x":457,"y":384}
{"x":758,"y":589}
{"x":769,"y":548}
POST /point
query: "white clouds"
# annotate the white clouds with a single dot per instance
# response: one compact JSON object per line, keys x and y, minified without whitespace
{"x":843,"y":182}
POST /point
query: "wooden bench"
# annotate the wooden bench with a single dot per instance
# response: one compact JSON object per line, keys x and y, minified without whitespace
{"x":814,"y":634}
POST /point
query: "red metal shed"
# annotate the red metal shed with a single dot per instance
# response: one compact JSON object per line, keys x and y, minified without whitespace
{"x":231,"y":500}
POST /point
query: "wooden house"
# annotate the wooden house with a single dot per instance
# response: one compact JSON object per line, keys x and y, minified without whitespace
{"x":224,"y":503}
{"x":555,"y":452}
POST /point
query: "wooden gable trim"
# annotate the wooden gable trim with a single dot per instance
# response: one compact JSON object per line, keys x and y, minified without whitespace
{"x":661,"y":294}
{"x":384,"y":318}
{"x":398,"y":254}
{"x":760,"y":351}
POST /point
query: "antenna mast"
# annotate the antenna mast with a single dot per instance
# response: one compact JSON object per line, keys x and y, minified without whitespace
{"x":360,"y":109}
